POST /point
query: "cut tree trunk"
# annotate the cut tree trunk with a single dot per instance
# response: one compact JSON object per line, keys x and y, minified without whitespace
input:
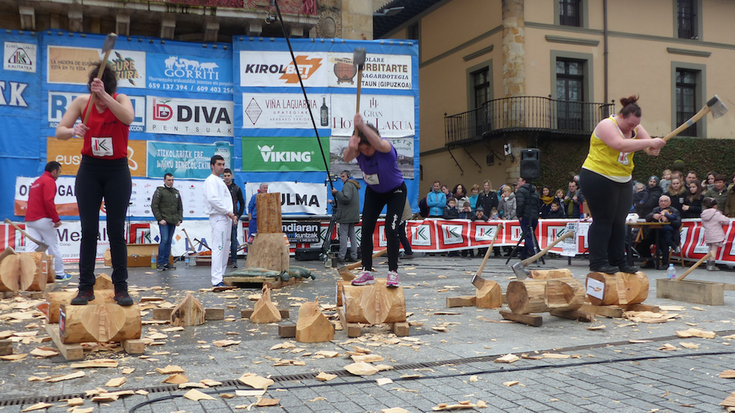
{"x":44,"y":265}
{"x":489,"y":296}
{"x":10,"y":273}
{"x":189,"y":312}
{"x":28,"y":272}
{"x":40,"y":268}
{"x":56,"y":299}
{"x":103,"y":282}
{"x":313,"y":326}
{"x":540,"y":296}
{"x":269,"y":251}
{"x":374,"y":304}
{"x":619,"y":288}
{"x":549,"y":274}
{"x":269,"y":213}
{"x":99,"y":322}
{"x":264,"y":311}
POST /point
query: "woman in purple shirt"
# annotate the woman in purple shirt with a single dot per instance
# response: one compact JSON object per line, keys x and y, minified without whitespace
{"x":377,"y":159}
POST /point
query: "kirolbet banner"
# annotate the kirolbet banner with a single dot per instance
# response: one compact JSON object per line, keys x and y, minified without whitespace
{"x":296,"y":198}
{"x":259,"y":68}
{"x":283,"y":154}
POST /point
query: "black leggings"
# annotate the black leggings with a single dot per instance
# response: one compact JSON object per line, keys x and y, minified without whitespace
{"x":609,"y":203}
{"x":374,"y":203}
{"x":100,"y":179}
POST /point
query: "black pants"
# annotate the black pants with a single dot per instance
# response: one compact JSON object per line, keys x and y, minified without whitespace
{"x":404,"y":239}
{"x":529,"y":228}
{"x":100,"y":179}
{"x":609,"y":203}
{"x":374,"y":203}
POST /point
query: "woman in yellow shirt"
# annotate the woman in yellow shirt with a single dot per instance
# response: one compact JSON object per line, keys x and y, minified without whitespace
{"x":606,"y":181}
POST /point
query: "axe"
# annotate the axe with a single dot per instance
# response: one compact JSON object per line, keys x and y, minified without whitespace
{"x":191,"y":244}
{"x":344,"y":270}
{"x":358,"y":59}
{"x":42,"y":246}
{"x":106,"y":49}
{"x":478,"y":281}
{"x":714,"y":106}
{"x":519,"y":268}
{"x":696,"y":264}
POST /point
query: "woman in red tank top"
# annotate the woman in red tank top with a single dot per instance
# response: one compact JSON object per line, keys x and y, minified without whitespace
{"x":103,"y":176}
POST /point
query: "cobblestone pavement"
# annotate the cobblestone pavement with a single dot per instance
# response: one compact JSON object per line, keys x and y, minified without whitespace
{"x":605,"y":372}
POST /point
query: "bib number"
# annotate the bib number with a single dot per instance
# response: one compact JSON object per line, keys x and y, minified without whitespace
{"x":102,"y":146}
{"x":623,"y":158}
{"x":371,"y":179}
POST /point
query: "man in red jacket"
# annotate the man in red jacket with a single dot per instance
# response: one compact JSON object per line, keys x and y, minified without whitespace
{"x":42,"y":219}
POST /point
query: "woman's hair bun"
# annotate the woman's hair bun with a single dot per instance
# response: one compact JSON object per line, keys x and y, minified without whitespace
{"x":627,"y":101}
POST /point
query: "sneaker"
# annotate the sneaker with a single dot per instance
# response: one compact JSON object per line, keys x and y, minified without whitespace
{"x":65,"y":277}
{"x":160,"y":268}
{"x":123,"y":298}
{"x":83,"y":297}
{"x":408,"y":256}
{"x":220,"y":284}
{"x":629,"y":269}
{"x":712,"y":267}
{"x":392,"y":279}
{"x":364,"y":279}
{"x":169,"y":266}
{"x":234,"y":265}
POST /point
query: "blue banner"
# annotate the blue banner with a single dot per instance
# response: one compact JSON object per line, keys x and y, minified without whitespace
{"x":184,"y":160}
{"x":185,"y":73}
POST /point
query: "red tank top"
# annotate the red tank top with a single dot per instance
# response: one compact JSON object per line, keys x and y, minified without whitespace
{"x":107,"y":137}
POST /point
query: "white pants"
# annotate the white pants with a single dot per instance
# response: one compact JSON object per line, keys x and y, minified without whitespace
{"x":220,"y":243}
{"x":44,"y":231}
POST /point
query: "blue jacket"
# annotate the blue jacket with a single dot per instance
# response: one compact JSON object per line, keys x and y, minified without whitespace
{"x":436,"y":202}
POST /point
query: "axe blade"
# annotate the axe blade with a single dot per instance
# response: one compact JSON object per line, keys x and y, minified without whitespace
{"x":109,"y":42}
{"x":519,"y":269}
{"x":358,"y":57}
{"x":717,"y":107}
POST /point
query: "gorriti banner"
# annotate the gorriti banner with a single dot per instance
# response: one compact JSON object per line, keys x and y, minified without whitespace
{"x":392,"y":115}
{"x":284,"y":110}
{"x":177,"y":116}
{"x":381,"y":71}
{"x":296,"y":197}
{"x":260,"y":68}
{"x":185,"y":73}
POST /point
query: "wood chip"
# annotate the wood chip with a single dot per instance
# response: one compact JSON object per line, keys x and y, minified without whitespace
{"x":693,"y":332}
{"x":460,"y":406}
{"x":383,"y":381}
{"x":249,"y":393}
{"x":128,"y":370}
{"x":170,"y":369}
{"x":265,"y":402}
{"x":255,"y":381}
{"x":226,"y":343}
{"x":598,"y":327}
{"x":76,"y":401}
{"x":74,"y":375}
{"x":481,"y":404}
{"x":555,"y":356}
{"x":210,"y":382}
{"x":508,"y":358}
{"x":474,"y":379}
{"x":104,"y":398}
{"x":727,"y":374}
{"x":531,"y":356}
{"x":667,"y":347}
{"x":44,"y":352}
{"x":325,"y":376}
{"x":14,"y":357}
{"x":227,"y":396}
{"x":177,"y":378}
{"x":196,"y":395}
{"x":116,"y":382}
{"x":361,"y":369}
{"x":510,"y":383}
{"x":172,"y":329}
{"x":326,"y":353}
{"x":367,"y":358}
{"x":99,"y":363}
{"x":690,"y":346}
{"x":83,"y":410}
{"x":633,"y":341}
{"x":189,"y":385}
{"x":38,"y":406}
{"x":395,"y":410}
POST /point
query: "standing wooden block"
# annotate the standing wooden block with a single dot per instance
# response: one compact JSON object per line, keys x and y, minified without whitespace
{"x":189,"y":312}
{"x":99,"y":323}
{"x":269,"y":213}
{"x":313,"y":326}
{"x":162,"y":313}
{"x":269,"y":251}
{"x":30,"y":273}
{"x":490,"y":295}
{"x":374,"y":304}
{"x":618,"y":288}
{"x":539,"y":296}
{"x":547,"y":274}
{"x":6,"y":347}
{"x":461,"y":301}
{"x":287,"y":330}
{"x":264,"y":311}
{"x":214,"y":313}
{"x":56,"y":299}
{"x":44,"y":267}
{"x":690,"y":291}
{"x":103,"y":282}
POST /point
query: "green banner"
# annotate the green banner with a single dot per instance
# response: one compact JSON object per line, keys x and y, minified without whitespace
{"x":282,"y":154}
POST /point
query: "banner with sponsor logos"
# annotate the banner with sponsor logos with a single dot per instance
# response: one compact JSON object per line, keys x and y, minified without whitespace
{"x":184,"y":160}
{"x":284,"y":110}
{"x":393,"y":115}
{"x":283,"y":154}
{"x":296,"y":197}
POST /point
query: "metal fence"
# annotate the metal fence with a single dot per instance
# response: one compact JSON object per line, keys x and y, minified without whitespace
{"x":525,"y":113}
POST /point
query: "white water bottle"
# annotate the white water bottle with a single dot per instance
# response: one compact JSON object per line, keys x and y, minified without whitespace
{"x":671,"y":271}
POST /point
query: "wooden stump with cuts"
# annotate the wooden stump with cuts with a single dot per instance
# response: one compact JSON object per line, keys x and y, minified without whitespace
{"x":270,"y":245}
{"x":99,"y":323}
{"x":616,"y":289}
{"x":58,"y":298}
{"x":189,"y":312}
{"x":18,"y":273}
{"x":264,"y":311}
{"x":372,"y":304}
{"x":540,"y":296}
{"x":312,"y":325}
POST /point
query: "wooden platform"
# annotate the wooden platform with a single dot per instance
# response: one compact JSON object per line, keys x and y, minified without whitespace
{"x":273,"y":282}
{"x":401,"y":329}
{"x":691,"y":291}
{"x":76,"y":351}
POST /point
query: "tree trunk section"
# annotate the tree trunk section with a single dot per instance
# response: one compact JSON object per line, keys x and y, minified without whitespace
{"x":99,"y":323}
{"x":617,"y":289}
{"x":189,"y":312}
{"x":374,"y":304}
{"x":269,"y":251}
{"x":489,"y":296}
{"x":59,"y":298}
{"x":540,"y":296}
{"x":551,"y":274}
{"x":103,"y":282}
{"x":264,"y":310}
{"x":313,"y":326}
{"x":269,"y":213}
{"x":10,"y":273}
{"x":40,"y":268}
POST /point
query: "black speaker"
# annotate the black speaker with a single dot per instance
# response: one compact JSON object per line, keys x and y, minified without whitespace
{"x":530,"y":164}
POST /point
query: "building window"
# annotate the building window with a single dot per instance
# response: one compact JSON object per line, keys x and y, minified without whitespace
{"x":570,"y":13}
{"x":686,"y":19}
{"x":570,"y":93}
{"x":481,"y":86}
{"x":412,"y":32}
{"x":686,"y":98}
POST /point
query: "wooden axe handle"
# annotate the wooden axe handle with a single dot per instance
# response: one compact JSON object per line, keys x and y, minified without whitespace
{"x":696,"y":264}
{"x":191,"y":244}
{"x":694,"y":119}
{"x":354,"y":265}
{"x":25,"y":234}
{"x":90,"y":106}
{"x":359,"y":91}
{"x":533,"y":258}
{"x":489,"y":250}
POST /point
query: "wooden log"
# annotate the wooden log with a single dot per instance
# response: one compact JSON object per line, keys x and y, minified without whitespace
{"x":214,"y":313}
{"x":374,"y":304}
{"x":489,"y":296}
{"x":573,"y":315}
{"x":36,"y":268}
{"x":269,"y":251}
{"x":189,"y":312}
{"x":44,"y":267}
{"x":287,"y":330}
{"x":539,"y":296}
{"x":341,"y":283}
{"x":264,"y":311}
{"x":99,"y":323}
{"x":268,"y":206}
{"x":461,"y":301}
{"x":70,"y":352}
{"x":10,"y":273}
{"x":531,"y":320}
{"x":56,"y":299}
{"x":6,"y":347}
{"x":352,"y":329}
{"x":618,"y":288}
{"x":103,"y":282}
{"x":549,"y":274}
{"x":313,"y":326}
{"x":690,"y":291}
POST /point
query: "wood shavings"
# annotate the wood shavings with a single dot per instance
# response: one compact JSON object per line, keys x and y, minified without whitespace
{"x":177,"y":378}
{"x":667,"y":347}
{"x":116,"y":382}
{"x":38,"y":406}
{"x":255,"y":381}
{"x":508,"y":358}
{"x":460,"y":406}
{"x":226,"y":343}
{"x":196,"y":395}
{"x":693,"y":332}
{"x":383,"y":381}
{"x":511,"y":383}
{"x":555,"y":356}
{"x":265,"y":402}
{"x":74,"y":375}
{"x":325,"y":376}
{"x":690,"y":346}
{"x":361,"y":369}
{"x":249,"y":393}
{"x":727,"y":374}
{"x":598,"y":327}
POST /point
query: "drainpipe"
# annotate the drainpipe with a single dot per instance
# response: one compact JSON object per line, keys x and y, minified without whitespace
{"x":605,"y":52}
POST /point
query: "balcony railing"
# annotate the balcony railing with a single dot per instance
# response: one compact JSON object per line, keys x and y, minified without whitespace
{"x":524,"y":113}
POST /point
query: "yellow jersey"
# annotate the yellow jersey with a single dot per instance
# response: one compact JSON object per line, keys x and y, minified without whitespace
{"x":606,"y":161}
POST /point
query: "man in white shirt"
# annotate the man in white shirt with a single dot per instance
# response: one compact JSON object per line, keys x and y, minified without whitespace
{"x":218,"y":205}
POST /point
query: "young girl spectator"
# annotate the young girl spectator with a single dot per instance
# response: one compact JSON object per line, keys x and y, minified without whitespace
{"x":494,"y":214}
{"x":692,"y":207}
{"x":473,"y":198}
{"x":709,"y":182}
{"x":639,"y":197}
{"x":714,"y":236}
{"x":546,"y":200}
{"x":665,"y":180}
{"x":676,"y":192}
{"x":508,"y":203}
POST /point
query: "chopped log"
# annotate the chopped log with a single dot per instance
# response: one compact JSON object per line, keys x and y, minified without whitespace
{"x":551,"y":274}
{"x":342,"y":283}
{"x":134,"y":346}
{"x":618,"y":288}
{"x":34,"y":268}
{"x":489,"y":296}
{"x":461,"y":301}
{"x":103,"y":282}
{"x":99,"y":322}
{"x":531,"y":320}
{"x":44,"y":266}
{"x":287,"y":330}
{"x":189,"y":312}
{"x":539,"y":296}
{"x":352,"y":329}
{"x":214,"y":313}
{"x":162,"y":313}
{"x":313,"y":326}
{"x":10,"y":273}
{"x":6,"y":347}
{"x":374,"y":304}
{"x":604,"y":311}
{"x":269,"y":251}
{"x":264,"y":311}
{"x":56,"y":299}
{"x":248,"y":312}
{"x":268,"y":206}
